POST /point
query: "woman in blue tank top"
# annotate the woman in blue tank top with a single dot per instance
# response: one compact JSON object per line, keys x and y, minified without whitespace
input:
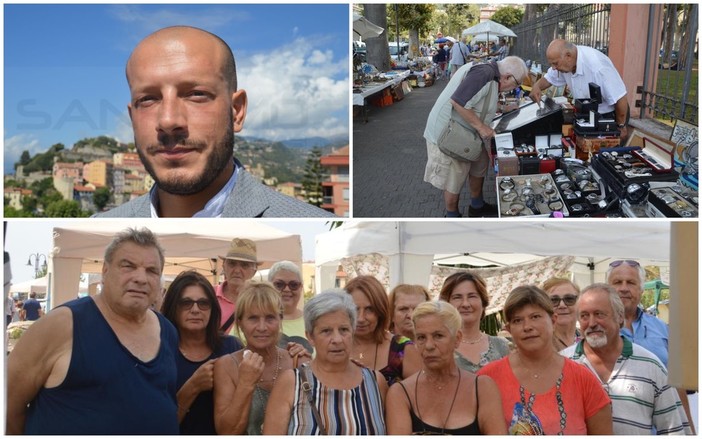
{"x":191,"y":305}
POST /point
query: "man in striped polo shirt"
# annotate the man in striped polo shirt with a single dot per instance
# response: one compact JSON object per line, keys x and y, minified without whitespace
{"x":635,"y":379}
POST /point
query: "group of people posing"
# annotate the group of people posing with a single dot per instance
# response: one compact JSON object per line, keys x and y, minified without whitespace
{"x":353,"y":361}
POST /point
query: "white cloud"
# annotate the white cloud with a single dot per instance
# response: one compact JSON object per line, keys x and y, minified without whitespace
{"x":123,"y":131}
{"x":210,"y":18}
{"x":294,"y":92}
{"x":14,"y":146}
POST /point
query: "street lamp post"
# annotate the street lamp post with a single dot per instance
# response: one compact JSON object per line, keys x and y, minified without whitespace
{"x":37,"y":257}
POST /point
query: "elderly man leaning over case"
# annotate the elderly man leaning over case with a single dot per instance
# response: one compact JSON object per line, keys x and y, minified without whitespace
{"x":470,"y":99}
{"x":103,"y":364}
{"x":635,"y":379}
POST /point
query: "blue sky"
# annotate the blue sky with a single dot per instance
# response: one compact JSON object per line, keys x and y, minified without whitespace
{"x":64,"y":68}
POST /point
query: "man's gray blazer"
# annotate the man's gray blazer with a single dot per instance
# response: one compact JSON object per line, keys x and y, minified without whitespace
{"x":248,"y":199}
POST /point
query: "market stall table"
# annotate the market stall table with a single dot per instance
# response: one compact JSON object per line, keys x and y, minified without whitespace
{"x":360,"y":95}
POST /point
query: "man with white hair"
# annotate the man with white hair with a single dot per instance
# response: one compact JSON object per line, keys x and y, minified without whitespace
{"x":628,"y":277}
{"x":634,"y":378}
{"x":469,"y":99}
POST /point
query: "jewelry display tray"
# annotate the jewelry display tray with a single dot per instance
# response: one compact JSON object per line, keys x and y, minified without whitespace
{"x":515,"y":201}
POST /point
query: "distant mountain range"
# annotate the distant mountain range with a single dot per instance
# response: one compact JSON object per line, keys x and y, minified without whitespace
{"x":309,"y":142}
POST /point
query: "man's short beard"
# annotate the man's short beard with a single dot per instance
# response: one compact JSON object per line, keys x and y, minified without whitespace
{"x":221,"y":155}
{"x":596,"y":342}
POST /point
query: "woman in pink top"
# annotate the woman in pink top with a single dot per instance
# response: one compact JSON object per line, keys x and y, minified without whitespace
{"x":543,"y":392}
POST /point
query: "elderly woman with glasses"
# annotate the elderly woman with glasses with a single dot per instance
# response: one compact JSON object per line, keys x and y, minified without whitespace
{"x":467,"y":292}
{"x":563,"y":294}
{"x":287,"y":280}
{"x":543,"y":392}
{"x":331,"y":395}
{"x":191,"y":305}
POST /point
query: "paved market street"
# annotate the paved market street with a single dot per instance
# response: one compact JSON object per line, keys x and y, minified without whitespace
{"x":389,"y":155}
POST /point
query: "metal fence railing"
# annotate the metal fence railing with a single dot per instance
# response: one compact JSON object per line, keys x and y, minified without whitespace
{"x":586,"y":24}
{"x":673,"y":75}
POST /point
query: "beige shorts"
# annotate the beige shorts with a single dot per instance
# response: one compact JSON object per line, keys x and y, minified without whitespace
{"x":449,"y":174}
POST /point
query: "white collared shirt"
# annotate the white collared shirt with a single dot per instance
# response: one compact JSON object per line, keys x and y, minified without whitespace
{"x":213,"y":209}
{"x":592,"y":66}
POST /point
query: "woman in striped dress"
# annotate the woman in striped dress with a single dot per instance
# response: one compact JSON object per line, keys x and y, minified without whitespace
{"x":331,"y":395}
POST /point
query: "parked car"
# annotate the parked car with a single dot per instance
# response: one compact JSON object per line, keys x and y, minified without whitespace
{"x":404,"y":48}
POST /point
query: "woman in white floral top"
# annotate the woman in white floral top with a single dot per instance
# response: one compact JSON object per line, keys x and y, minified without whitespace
{"x":468,"y":293}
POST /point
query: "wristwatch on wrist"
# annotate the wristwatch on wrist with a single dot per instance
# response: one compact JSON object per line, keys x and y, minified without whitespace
{"x":621,"y":125}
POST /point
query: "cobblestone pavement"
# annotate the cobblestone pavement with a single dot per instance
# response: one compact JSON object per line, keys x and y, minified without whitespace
{"x":389,"y":155}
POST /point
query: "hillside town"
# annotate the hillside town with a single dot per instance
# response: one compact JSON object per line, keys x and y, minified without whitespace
{"x":96,"y":178}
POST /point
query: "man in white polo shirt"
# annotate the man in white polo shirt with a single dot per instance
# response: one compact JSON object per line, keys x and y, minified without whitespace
{"x":577,"y":67}
{"x":634,"y":378}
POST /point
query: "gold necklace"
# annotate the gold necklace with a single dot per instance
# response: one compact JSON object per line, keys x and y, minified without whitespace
{"x":276,"y":371}
{"x":474,"y":341}
{"x":434,"y":381}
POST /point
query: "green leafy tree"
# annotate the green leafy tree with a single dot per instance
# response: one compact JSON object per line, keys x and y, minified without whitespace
{"x":315,"y":174}
{"x":413,"y":18}
{"x":101,"y":197}
{"x":25,"y":157}
{"x":29,"y":204}
{"x":460,"y":17}
{"x":508,"y":16}
{"x":11,"y":212}
{"x":64,"y":209}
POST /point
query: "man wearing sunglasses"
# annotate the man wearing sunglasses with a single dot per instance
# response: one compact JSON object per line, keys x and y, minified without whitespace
{"x":238,"y":266}
{"x":102,"y":364}
{"x":627,"y":277}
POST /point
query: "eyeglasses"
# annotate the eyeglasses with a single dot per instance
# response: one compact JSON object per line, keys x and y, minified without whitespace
{"x":629,"y":262}
{"x":293,"y":285}
{"x":519,"y":84}
{"x":568,"y":299}
{"x":243,"y":264}
{"x":202,"y":304}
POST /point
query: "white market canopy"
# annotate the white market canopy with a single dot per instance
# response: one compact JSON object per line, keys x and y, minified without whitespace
{"x":489,"y":27}
{"x":33,"y":285}
{"x":365,"y":28}
{"x":188,"y":245}
{"x":528,"y":252}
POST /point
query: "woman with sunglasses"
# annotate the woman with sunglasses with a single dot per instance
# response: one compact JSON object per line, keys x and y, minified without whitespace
{"x":563,"y":294}
{"x":191,"y":305}
{"x":287,"y":280}
{"x":467,"y":292}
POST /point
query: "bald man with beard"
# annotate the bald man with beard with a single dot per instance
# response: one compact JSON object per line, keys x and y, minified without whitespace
{"x":185,"y":108}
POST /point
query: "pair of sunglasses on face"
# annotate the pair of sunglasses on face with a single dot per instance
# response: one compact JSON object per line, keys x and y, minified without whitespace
{"x":293,"y":285}
{"x":629,"y":262}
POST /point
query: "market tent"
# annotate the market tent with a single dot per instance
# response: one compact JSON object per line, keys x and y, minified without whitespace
{"x":491,"y":28}
{"x":188,"y":245}
{"x":364,"y":28}
{"x":484,"y":37}
{"x":412,"y":247}
{"x":33,"y":285}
